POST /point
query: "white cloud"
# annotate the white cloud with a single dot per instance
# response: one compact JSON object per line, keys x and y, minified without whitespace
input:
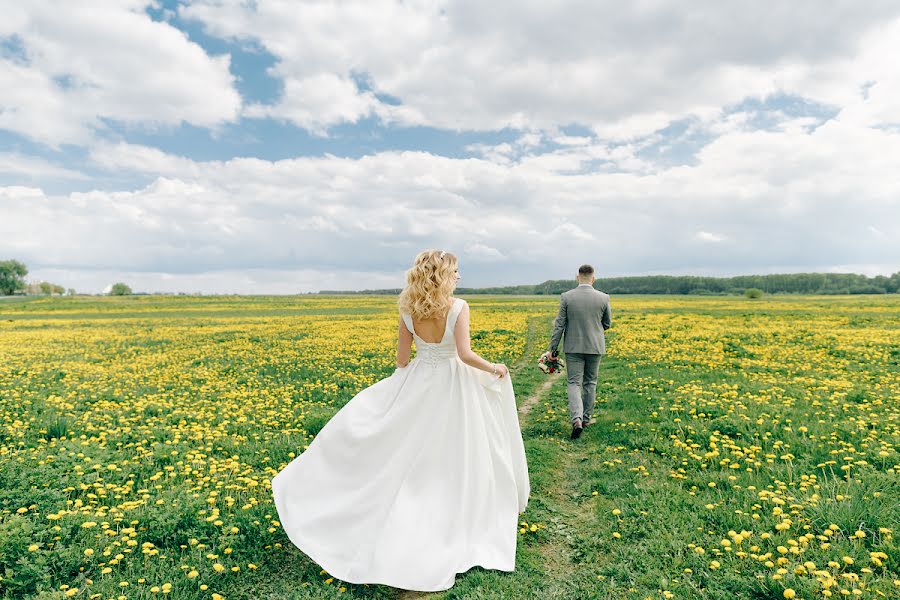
{"x":569,"y":232}
{"x":571,"y":140}
{"x":226,"y":281}
{"x":876,"y":232}
{"x":791,"y":198}
{"x":706,"y":236}
{"x":529,"y":140}
{"x":318,"y":101}
{"x":81,"y":63}
{"x":141,"y":159}
{"x":805,"y":192}
{"x":483,"y":253}
{"x":32,"y":167}
{"x":625,"y":70}
{"x":632,"y":127}
{"x":499,"y":153}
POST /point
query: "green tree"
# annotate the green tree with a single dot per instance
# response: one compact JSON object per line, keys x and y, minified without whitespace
{"x":753,"y":293}
{"x":120,"y":289}
{"x":893,"y":284}
{"x":12,"y":276}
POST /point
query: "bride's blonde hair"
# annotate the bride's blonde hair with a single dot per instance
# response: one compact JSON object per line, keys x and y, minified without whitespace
{"x":429,"y":284}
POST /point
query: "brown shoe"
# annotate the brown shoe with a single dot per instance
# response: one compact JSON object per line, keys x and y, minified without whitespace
{"x":576,"y":429}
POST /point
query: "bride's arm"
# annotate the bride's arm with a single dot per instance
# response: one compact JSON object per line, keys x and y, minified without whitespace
{"x":464,"y":346}
{"x":404,"y":344}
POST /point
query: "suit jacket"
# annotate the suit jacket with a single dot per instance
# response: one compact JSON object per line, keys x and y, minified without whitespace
{"x":583,"y":317}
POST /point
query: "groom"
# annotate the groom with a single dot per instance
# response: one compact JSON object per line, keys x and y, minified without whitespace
{"x":583,"y":317}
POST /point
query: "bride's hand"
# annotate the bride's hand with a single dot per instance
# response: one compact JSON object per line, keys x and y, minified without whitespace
{"x":501,"y":370}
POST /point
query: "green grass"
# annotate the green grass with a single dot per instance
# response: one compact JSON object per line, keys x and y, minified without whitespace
{"x":627,"y":458}
{"x":786,"y":388}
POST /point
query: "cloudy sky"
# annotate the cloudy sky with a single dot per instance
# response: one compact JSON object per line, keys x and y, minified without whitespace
{"x":278,"y":147}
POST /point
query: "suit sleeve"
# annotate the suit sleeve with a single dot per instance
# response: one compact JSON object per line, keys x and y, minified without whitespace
{"x":605,"y":320}
{"x":559,"y":325}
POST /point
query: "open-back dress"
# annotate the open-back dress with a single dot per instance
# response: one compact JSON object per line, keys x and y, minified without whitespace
{"x":418,"y":477}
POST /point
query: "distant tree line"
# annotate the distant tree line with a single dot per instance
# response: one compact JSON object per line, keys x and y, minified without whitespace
{"x":792,"y":283}
{"x":13,"y":272}
{"x":12,"y":281}
{"x":44,"y":288}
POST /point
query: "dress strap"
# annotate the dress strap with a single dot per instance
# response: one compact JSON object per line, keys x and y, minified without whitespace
{"x":407,"y":320}
{"x":458,"y":304}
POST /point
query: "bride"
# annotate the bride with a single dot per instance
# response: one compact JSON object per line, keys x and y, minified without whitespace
{"x":423,"y":474}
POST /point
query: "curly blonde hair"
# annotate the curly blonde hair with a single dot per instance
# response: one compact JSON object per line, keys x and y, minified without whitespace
{"x":429,"y":284}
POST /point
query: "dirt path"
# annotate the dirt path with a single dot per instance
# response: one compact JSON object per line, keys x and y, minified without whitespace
{"x":526,"y":405}
{"x":571,"y":509}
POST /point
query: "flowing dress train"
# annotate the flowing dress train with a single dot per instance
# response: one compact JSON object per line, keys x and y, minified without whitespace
{"x":420,"y":476}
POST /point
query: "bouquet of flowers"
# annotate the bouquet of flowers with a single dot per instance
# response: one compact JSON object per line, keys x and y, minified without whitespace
{"x":550,"y":363}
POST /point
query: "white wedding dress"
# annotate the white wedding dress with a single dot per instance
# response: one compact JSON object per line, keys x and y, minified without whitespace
{"x":417,"y":478}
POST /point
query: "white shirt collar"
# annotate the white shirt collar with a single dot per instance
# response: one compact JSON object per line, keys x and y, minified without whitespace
{"x":587,"y":284}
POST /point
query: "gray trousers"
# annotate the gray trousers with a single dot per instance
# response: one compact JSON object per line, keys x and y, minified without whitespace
{"x":581,"y":372}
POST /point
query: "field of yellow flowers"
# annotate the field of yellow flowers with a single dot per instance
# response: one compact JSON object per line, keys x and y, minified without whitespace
{"x":138,"y":436}
{"x":741,"y":448}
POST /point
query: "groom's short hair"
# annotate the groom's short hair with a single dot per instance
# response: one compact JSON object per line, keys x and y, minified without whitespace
{"x":585,"y":271}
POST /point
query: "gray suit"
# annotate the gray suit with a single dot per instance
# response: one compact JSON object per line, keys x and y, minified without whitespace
{"x":583,"y":318}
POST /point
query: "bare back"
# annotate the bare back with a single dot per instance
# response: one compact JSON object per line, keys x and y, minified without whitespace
{"x":431,"y":330}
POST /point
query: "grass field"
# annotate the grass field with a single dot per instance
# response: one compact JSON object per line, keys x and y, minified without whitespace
{"x":741,"y":448}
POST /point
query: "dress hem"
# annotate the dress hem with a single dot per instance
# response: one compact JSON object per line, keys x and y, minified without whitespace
{"x":338,"y":572}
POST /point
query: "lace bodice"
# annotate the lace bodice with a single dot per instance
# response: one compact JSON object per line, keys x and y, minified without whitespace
{"x":436,"y":353}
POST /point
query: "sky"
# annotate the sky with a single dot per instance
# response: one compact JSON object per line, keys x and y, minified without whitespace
{"x":272,"y":147}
